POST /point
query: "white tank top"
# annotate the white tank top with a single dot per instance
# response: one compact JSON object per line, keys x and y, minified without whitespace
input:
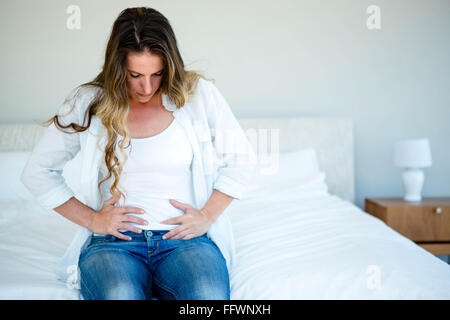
{"x":158,"y":169}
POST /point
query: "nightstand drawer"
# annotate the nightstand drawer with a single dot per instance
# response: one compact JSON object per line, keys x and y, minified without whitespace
{"x":420,"y":222}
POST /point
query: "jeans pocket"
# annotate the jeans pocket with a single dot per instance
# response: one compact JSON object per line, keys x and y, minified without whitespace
{"x":96,"y":239}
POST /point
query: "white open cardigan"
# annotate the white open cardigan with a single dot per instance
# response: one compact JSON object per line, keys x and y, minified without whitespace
{"x":223,"y":160}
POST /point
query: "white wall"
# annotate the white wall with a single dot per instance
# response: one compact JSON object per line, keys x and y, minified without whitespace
{"x":270,"y":58}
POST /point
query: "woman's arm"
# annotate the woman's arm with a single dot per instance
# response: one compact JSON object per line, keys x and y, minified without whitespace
{"x":216,"y":204}
{"x":106,"y":221}
{"x":77,"y":212}
{"x":236,"y":160}
{"x":42,"y":174}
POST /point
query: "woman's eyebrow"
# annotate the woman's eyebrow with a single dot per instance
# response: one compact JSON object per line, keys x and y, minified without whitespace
{"x":141,"y":73}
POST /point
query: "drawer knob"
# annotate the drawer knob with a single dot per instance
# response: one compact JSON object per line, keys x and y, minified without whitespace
{"x":438,"y":210}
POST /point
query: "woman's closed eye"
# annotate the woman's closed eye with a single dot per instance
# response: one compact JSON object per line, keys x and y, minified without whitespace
{"x":138,"y":75}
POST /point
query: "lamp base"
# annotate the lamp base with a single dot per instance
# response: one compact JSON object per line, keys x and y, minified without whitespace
{"x":409,"y":198}
{"x":412,"y":184}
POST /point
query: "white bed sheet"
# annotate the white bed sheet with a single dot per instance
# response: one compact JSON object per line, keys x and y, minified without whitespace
{"x":314,"y":247}
{"x":31,"y":242}
{"x":318,"y":246}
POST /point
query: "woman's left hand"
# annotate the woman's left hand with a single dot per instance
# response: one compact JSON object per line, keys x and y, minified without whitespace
{"x":193,"y":223}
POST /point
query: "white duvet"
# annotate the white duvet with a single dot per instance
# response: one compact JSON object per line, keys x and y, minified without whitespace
{"x":321,"y":247}
{"x":31,"y":243}
{"x":315,"y":246}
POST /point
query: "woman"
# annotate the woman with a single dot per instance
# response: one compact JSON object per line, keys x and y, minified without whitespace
{"x":164,"y":146}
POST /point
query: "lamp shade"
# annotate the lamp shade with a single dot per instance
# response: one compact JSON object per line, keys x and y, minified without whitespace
{"x":412,"y":153}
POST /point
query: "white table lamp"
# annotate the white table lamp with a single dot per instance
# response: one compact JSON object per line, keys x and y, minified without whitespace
{"x":412,"y":155}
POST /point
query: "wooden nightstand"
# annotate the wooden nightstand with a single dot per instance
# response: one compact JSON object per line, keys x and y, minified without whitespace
{"x":427,"y":223}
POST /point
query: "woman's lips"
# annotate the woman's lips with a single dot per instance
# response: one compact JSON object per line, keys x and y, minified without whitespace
{"x":144,"y":96}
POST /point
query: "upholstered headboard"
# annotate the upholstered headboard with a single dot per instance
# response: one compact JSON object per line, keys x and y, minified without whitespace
{"x":332,"y":138}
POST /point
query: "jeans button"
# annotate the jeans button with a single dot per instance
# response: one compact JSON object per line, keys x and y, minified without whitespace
{"x":148,"y":233}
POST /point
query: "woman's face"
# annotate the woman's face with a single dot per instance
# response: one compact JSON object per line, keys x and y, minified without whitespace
{"x":144,"y":74}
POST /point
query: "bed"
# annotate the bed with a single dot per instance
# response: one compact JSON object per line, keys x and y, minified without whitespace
{"x":298,"y":233}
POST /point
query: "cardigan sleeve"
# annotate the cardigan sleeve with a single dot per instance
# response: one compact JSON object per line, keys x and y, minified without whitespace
{"x":235,"y":157}
{"x":42,"y":174}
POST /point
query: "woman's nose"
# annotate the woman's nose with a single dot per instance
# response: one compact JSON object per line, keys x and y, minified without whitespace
{"x":146,"y":86}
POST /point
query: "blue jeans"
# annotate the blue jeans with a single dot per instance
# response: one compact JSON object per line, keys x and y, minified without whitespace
{"x":148,"y":266}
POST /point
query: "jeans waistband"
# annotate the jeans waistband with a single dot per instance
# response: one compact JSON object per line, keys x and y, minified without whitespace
{"x":155,"y":234}
{"x":144,"y":235}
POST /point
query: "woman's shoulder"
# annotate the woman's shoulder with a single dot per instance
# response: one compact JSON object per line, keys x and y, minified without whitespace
{"x":209,"y":90}
{"x":84,"y":92}
{"x":205,"y":91}
{"x":207,"y":100}
{"x":205,"y":86}
{"x":77,"y":102}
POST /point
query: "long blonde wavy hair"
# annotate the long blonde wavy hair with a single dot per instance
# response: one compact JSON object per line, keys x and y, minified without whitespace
{"x":135,"y":30}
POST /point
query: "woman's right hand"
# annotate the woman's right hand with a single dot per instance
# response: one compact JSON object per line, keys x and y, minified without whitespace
{"x":111,"y":218}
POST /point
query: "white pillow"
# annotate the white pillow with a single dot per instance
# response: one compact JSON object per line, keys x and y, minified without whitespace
{"x":11,"y":167}
{"x":296,"y":171}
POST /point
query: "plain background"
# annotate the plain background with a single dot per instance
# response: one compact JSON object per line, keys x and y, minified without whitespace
{"x":269,"y":58}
